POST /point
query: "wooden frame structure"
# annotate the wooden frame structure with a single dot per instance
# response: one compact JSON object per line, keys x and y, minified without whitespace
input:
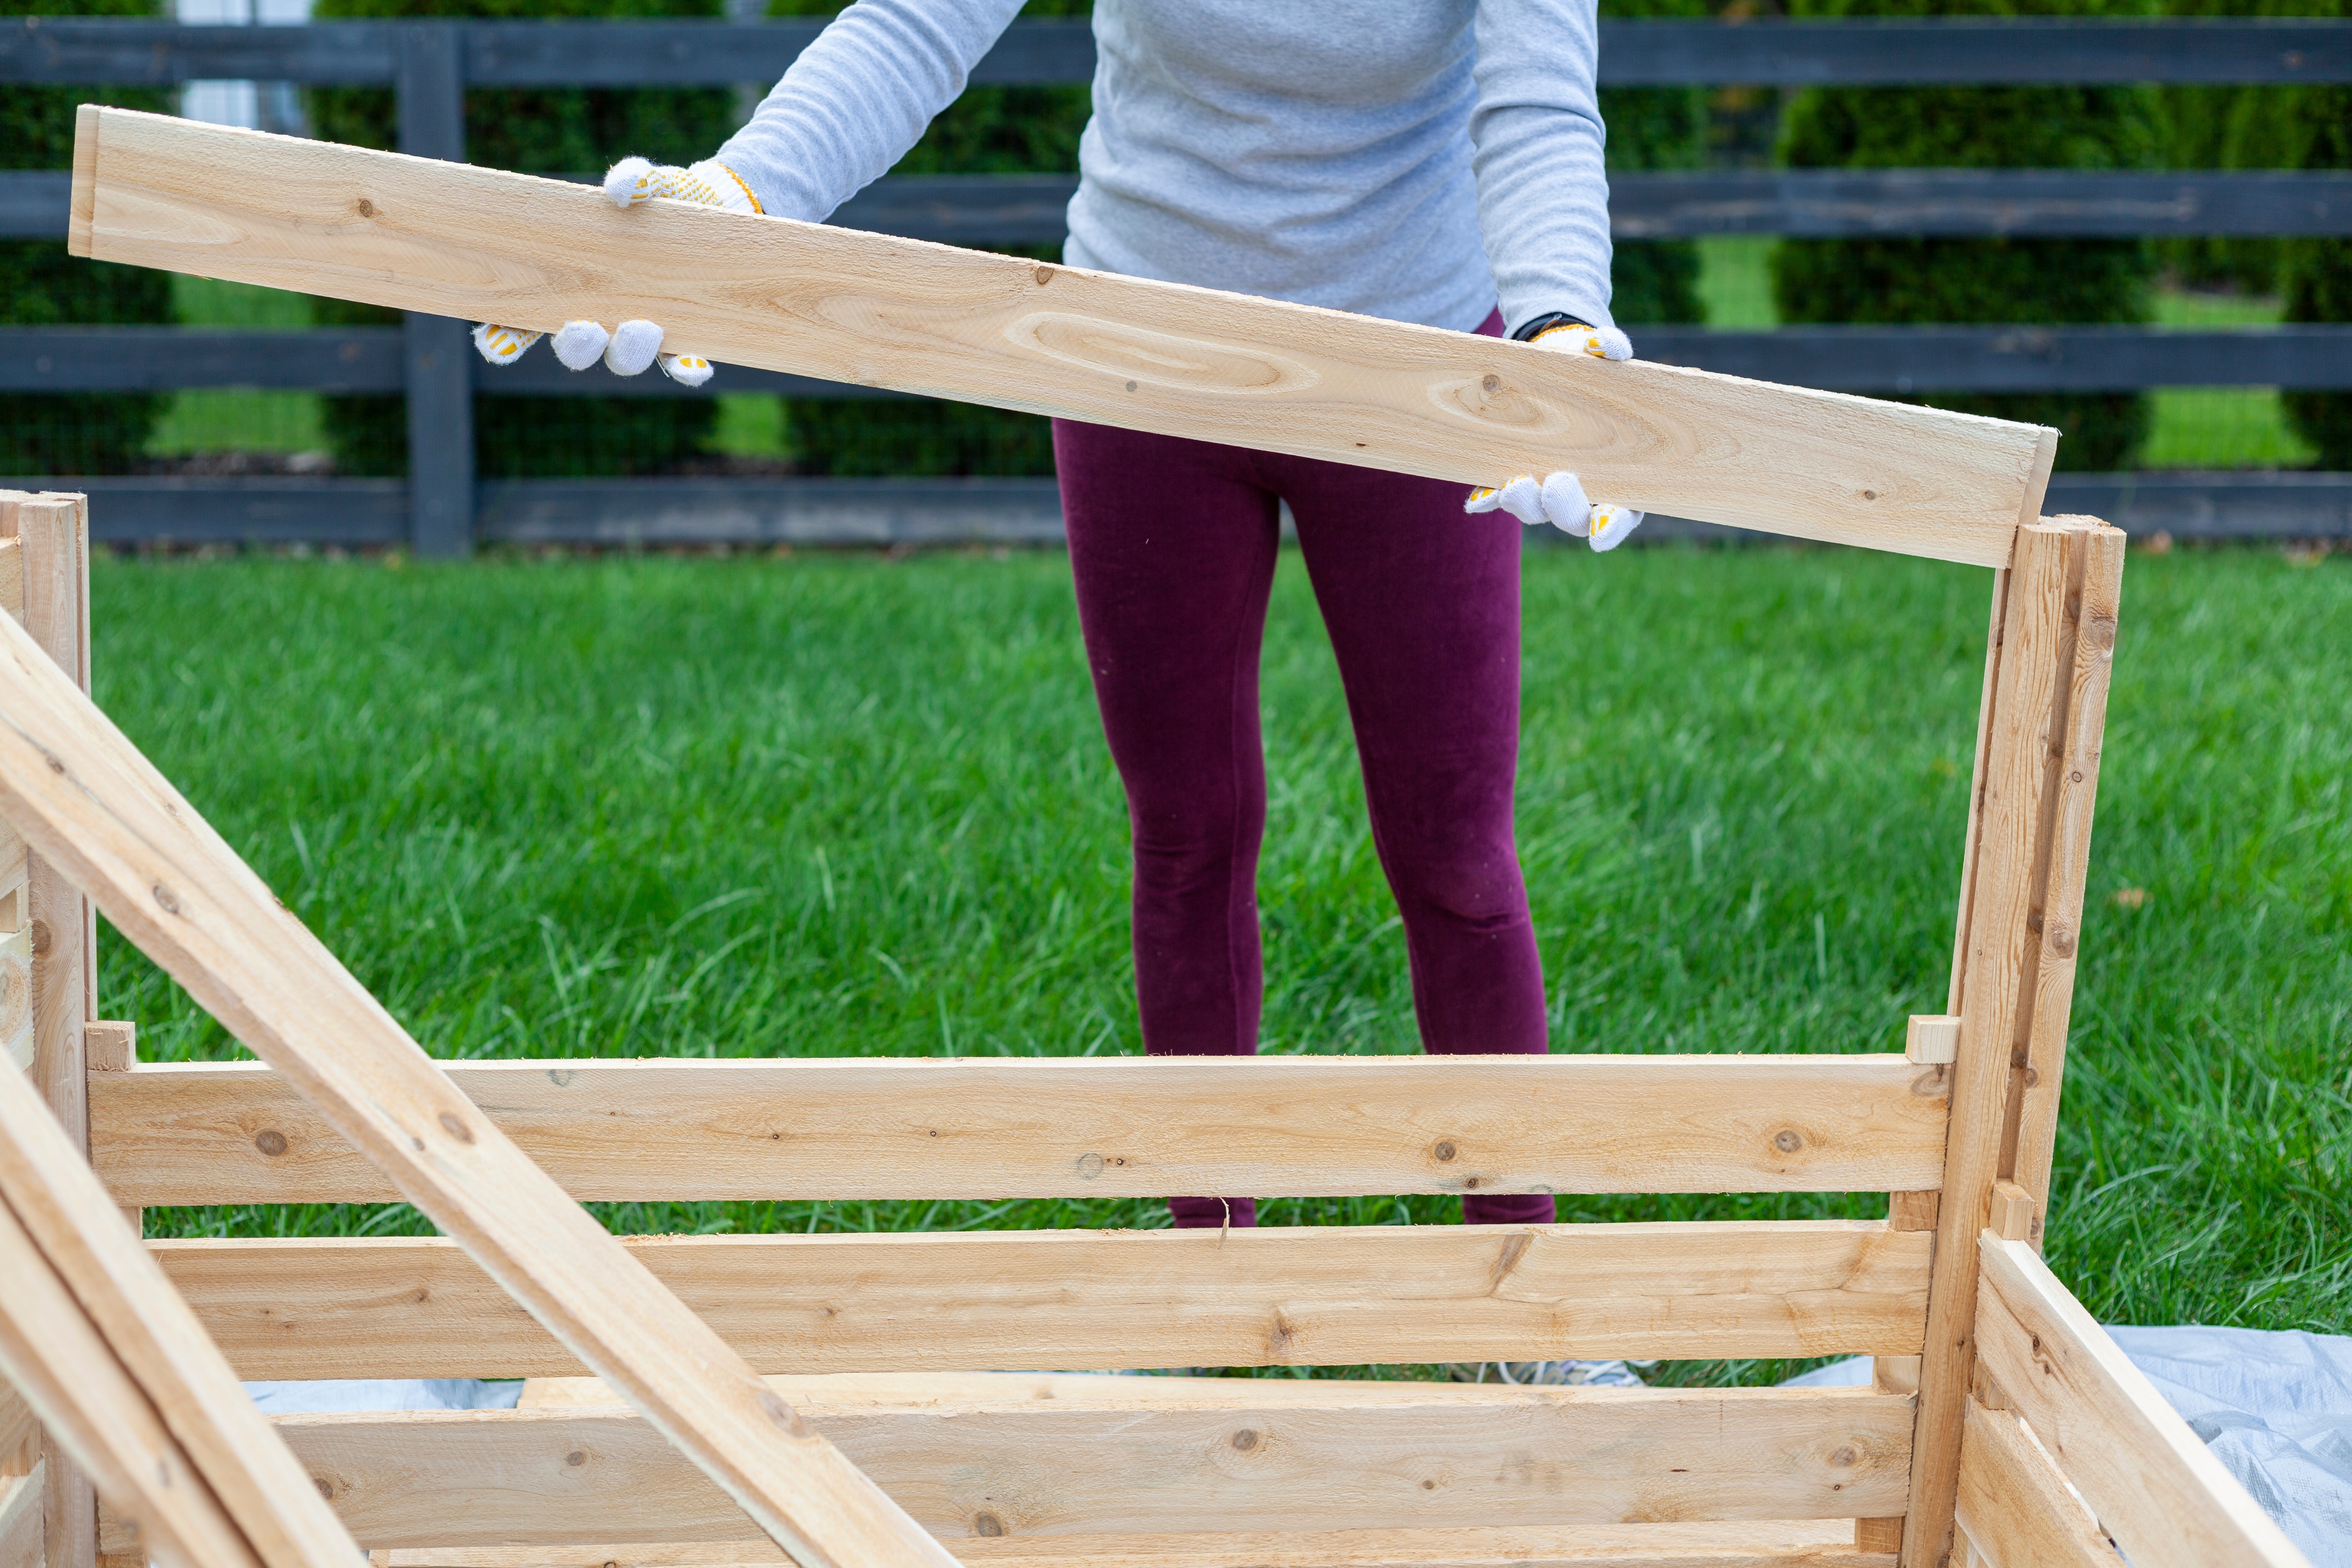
{"x":2003,"y":1426}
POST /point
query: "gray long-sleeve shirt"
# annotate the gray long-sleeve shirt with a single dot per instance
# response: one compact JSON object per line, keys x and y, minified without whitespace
{"x":1419,"y":160}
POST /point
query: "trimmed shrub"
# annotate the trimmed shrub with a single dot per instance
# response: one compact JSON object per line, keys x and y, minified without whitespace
{"x":540,"y":132}
{"x":2316,"y":274}
{"x":40,"y":285}
{"x":2035,"y":281}
{"x":1649,"y":128}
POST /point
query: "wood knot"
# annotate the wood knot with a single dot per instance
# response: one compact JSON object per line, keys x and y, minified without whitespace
{"x":561,"y":1077}
{"x":1443,"y":1151}
{"x":1131,"y":386}
{"x":575,"y":1459}
{"x":1429,"y":1485}
{"x":40,"y":936}
{"x":1490,"y":384}
{"x":167,"y":899}
{"x":2101,"y":632}
{"x":1089,"y":1167}
{"x":364,"y":208}
{"x":1044,"y":274}
{"x":454,"y":1128}
{"x":1870,"y":495}
{"x":326,"y":1488}
{"x":2062,"y":941}
{"x":1843,"y":1458}
{"x":987,"y":1524}
{"x":270,"y":1141}
{"x":1245,"y":1440}
{"x":786,"y":1419}
{"x":1788,"y":1140}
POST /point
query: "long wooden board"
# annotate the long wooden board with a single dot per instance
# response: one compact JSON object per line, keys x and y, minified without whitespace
{"x":1716,"y":1544}
{"x":2014,"y":1502}
{"x":853,"y":1128}
{"x":91,"y":805}
{"x":1453,"y":1457}
{"x":67,"y":1213}
{"x":852,"y":307}
{"x":1315,"y":1296}
{"x":2152,"y":1482}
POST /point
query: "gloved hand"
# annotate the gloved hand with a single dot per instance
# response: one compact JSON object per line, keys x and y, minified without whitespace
{"x":631,"y":346}
{"x":1558,"y":498}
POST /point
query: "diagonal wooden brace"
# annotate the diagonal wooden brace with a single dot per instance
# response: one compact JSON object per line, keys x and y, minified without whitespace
{"x":86,"y":799}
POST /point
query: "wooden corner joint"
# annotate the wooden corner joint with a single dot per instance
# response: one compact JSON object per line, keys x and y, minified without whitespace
{"x":110,"y":1046}
{"x":2015,"y":1215}
{"x":1933,"y":1038}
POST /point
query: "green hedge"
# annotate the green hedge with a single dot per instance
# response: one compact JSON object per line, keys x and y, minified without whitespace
{"x":1918,"y":281}
{"x":1655,"y":128}
{"x":40,"y":285}
{"x":551,"y":131}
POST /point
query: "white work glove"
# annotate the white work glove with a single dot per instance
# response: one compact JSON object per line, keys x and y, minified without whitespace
{"x":632,"y":346}
{"x":1558,"y":498}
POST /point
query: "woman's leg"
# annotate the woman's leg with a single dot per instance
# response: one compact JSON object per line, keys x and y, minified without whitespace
{"x":1172,"y":547}
{"x":1422,"y":603}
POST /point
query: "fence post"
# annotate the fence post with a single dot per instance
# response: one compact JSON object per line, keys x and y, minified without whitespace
{"x":438,"y":374}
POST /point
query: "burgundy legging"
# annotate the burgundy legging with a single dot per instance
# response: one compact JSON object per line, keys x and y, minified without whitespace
{"x":1172,"y":545}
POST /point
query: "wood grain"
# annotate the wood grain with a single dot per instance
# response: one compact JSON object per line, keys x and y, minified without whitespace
{"x":1319,"y":1295}
{"x":21,"y":1542}
{"x":1452,"y":1458}
{"x":59,"y":940}
{"x":2152,"y":1482}
{"x":854,"y":1129}
{"x":68,"y":1217}
{"x":2097,"y":576}
{"x":97,"y":1416}
{"x":1781,"y":1543}
{"x":809,"y":299}
{"x":92,"y":806}
{"x":1996,"y":996}
{"x":2014,"y":1504}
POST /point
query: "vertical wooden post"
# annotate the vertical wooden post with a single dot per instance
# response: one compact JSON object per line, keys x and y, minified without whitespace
{"x":52,"y":538}
{"x":2030,"y":838}
{"x":437,"y":359}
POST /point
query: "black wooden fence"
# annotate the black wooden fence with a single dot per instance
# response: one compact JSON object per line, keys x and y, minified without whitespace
{"x":443,"y":510}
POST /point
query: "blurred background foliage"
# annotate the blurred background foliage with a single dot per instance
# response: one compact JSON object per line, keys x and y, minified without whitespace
{"x":40,"y":285}
{"x":1726,"y":282}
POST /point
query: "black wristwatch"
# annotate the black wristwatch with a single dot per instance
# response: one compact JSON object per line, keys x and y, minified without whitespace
{"x":1528,"y":333}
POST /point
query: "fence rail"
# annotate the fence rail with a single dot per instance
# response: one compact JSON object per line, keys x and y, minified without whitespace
{"x":429,"y":64}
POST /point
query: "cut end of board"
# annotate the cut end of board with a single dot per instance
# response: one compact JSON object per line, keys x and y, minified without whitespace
{"x":2037,"y":473}
{"x":84,"y":179}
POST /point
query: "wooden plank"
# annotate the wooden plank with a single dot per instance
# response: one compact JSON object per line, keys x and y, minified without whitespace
{"x":69,"y":1216}
{"x":91,"y":805}
{"x":1319,"y":1295}
{"x":814,"y":299}
{"x":852,"y":1129}
{"x":98,"y":1417}
{"x":2159,"y":1492}
{"x":2098,"y":577}
{"x":58,"y":943}
{"x":21,"y":1543}
{"x":1997,"y":989}
{"x":2015,"y":1505}
{"x":1786,"y":1543}
{"x":1455,"y":1456}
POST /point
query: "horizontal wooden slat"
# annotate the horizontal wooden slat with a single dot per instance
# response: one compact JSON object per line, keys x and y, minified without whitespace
{"x":1781,"y":1543}
{"x":455,"y":240}
{"x":2014,"y":1502}
{"x":1316,"y":1296}
{"x":851,"y":1128}
{"x":2161,"y":1494}
{"x":1452,"y":1458}
{"x":1758,"y":51}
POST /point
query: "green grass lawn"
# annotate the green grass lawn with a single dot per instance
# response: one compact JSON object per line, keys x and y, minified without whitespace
{"x":838,"y":804}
